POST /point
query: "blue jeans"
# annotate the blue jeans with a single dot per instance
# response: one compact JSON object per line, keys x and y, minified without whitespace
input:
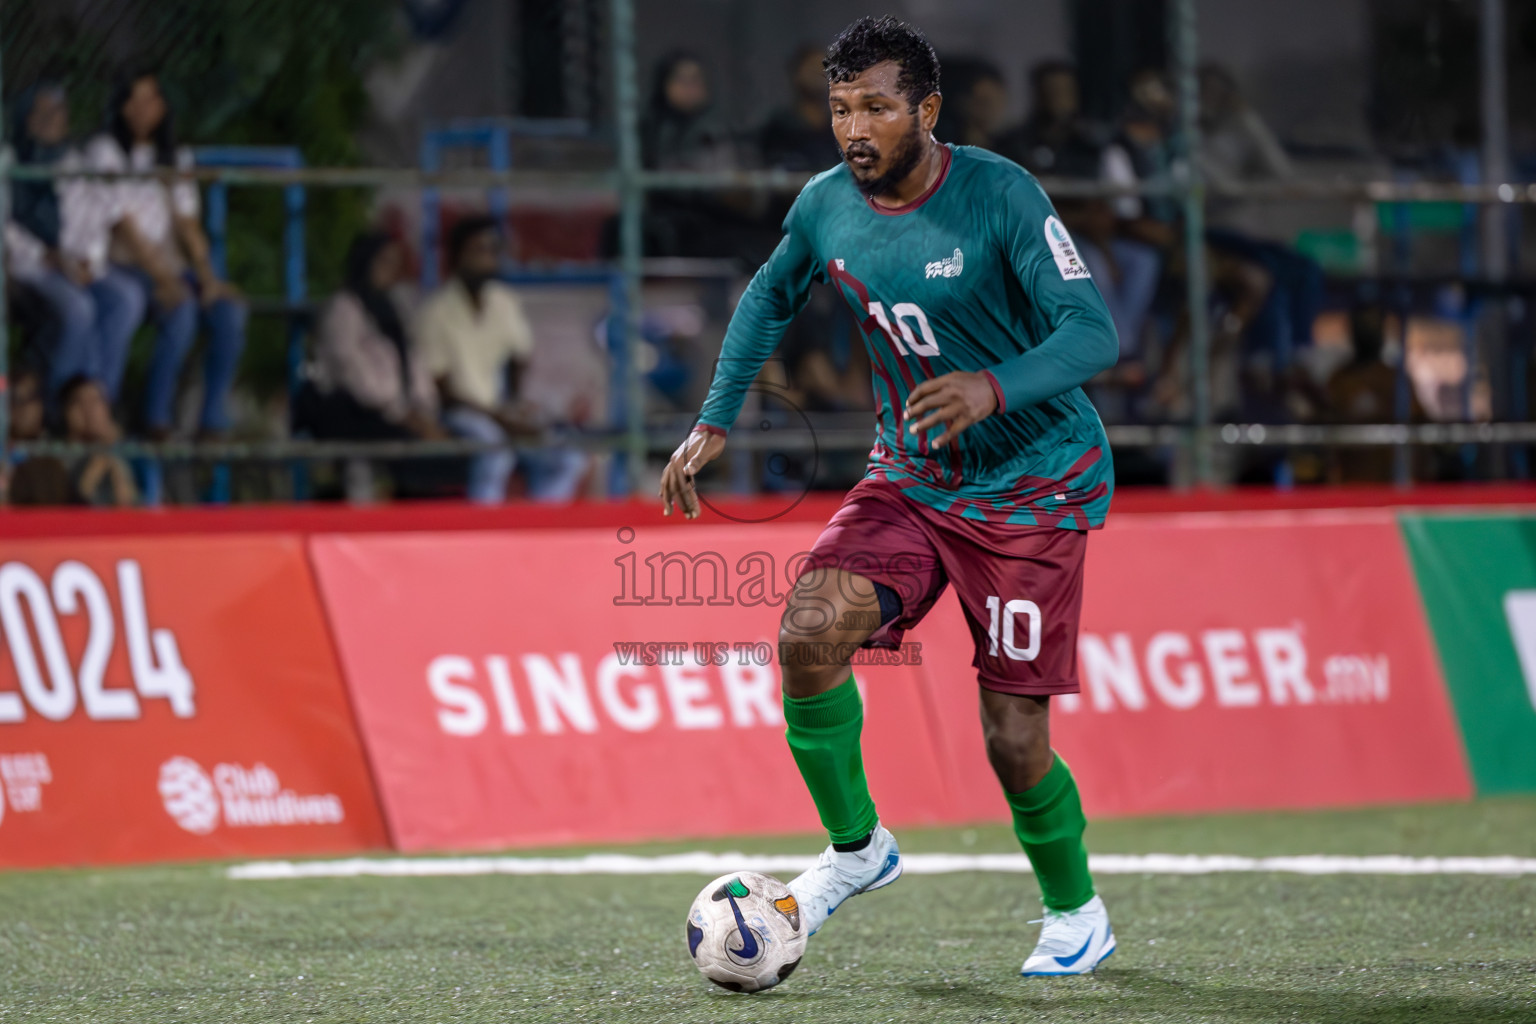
{"x":1130,"y":297}
{"x":95,"y":326}
{"x":488,"y":471}
{"x":1284,"y":322}
{"x":177,"y":330}
{"x":554,"y":473}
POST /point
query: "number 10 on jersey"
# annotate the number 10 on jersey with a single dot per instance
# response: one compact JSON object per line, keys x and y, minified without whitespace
{"x":905,"y":340}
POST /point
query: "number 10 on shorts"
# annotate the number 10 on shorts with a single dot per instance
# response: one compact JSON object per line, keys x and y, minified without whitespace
{"x":1009,"y":616}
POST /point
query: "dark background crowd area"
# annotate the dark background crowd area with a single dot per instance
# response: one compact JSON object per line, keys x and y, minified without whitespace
{"x":1321,"y":311}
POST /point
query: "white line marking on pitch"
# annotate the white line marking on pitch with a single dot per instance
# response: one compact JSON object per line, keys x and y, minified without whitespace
{"x":914,"y":863}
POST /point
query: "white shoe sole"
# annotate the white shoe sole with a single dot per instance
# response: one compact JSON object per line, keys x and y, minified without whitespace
{"x":1104,"y":955}
{"x":890,"y":874}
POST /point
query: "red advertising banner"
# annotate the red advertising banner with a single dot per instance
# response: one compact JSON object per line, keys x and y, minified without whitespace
{"x":601,"y":685}
{"x":171,"y":698}
{"x":551,"y":687}
{"x":1244,"y":661}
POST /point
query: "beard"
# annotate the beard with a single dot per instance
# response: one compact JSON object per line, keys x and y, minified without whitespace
{"x":475,"y":282}
{"x":908,"y":151}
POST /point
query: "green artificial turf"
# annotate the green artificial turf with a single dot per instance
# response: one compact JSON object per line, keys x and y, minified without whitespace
{"x":186,"y":944}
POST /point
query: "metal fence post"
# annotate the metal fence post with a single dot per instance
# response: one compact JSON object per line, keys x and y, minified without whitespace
{"x":626,"y":102}
{"x":1495,"y":148}
{"x":1184,"y":30}
{"x":1499,"y":314}
{"x":5,"y":313}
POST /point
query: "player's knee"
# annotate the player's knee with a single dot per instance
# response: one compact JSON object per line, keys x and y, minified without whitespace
{"x":811,"y":654}
{"x":809,"y":621}
{"x":806,"y":665}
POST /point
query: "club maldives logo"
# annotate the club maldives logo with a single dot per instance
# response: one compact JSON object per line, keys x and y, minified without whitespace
{"x":189,"y":796}
{"x":240,"y":796}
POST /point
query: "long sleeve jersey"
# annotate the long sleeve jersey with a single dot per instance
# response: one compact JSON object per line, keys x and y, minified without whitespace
{"x":977,"y":274}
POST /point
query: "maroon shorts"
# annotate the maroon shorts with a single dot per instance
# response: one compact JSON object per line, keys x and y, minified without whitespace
{"x":1021,"y":586}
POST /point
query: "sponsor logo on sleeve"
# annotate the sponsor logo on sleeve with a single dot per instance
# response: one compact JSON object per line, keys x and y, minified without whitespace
{"x":1068,"y":260}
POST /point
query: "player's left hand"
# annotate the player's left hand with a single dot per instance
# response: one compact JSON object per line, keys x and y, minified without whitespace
{"x":699,"y":448}
{"x":956,"y":399}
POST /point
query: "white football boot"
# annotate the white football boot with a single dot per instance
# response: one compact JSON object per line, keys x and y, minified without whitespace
{"x":1072,"y":941}
{"x":836,"y":876}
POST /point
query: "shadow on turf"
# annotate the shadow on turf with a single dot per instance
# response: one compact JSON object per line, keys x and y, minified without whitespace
{"x":1158,"y":994}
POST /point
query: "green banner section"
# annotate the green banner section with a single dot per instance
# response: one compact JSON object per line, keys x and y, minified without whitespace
{"x":1477,"y":575}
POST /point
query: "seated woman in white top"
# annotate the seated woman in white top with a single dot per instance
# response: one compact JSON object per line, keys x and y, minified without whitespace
{"x":368,"y":384}
{"x":156,"y":237}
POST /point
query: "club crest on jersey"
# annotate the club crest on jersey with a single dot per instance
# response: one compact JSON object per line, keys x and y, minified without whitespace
{"x":950,"y":266}
{"x":1068,"y":261}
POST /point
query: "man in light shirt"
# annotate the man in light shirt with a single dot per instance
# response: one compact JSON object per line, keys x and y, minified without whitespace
{"x":476,"y":342}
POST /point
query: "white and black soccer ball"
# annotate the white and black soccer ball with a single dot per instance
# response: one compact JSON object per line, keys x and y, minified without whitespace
{"x":744,"y":932}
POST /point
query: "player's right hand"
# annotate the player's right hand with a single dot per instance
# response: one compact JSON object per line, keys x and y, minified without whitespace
{"x":698,"y":449}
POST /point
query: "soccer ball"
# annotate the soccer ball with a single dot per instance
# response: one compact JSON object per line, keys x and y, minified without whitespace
{"x":744,"y":932}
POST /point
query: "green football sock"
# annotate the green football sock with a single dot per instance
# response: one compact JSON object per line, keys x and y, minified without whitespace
{"x":823,"y":733}
{"x":1048,"y":819}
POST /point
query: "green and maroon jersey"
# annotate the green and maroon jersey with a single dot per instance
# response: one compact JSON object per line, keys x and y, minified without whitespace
{"x":976,"y":274}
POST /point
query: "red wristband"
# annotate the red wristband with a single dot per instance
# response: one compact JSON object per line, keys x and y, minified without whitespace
{"x":997,"y":389}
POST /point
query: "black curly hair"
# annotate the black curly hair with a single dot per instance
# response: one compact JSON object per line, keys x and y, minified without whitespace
{"x":870,"y":41}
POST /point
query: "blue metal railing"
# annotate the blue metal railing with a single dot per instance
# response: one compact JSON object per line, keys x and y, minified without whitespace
{"x":295,"y":267}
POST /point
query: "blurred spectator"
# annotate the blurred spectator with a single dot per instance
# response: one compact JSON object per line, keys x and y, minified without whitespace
{"x":679,"y":130}
{"x":1237,"y":146}
{"x":825,"y":363}
{"x":368,"y":383}
{"x":99,"y":478}
{"x":156,"y":235}
{"x":975,"y":108}
{"x":799,"y":137}
{"x":1056,"y":141}
{"x":1146,"y":130}
{"x":826,"y":370}
{"x":28,"y":415}
{"x":475,"y":341}
{"x":1367,"y":390}
{"x":56,"y":247}
{"x":1247,"y":382}
{"x":34,"y":480}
